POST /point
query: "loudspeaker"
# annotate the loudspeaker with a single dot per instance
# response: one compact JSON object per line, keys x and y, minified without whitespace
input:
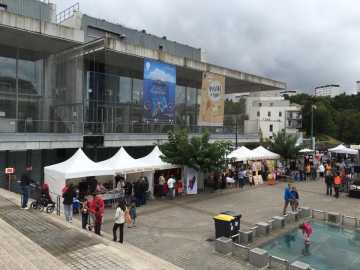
{"x":347,"y":170}
{"x":357,"y":169}
{"x":354,"y":193}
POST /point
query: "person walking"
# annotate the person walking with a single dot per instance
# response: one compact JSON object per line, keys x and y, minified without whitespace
{"x":170,"y":184}
{"x":288,"y":197}
{"x":132,"y":213}
{"x":241,"y":178}
{"x":329,"y":180}
{"x":25,"y":186}
{"x":313,"y":172}
{"x":321,"y":169}
{"x":145,"y":183}
{"x":337,"y":184}
{"x":98,"y":219}
{"x":161,"y":186}
{"x":302,"y":172}
{"x":69,"y":196}
{"x":119,"y":221}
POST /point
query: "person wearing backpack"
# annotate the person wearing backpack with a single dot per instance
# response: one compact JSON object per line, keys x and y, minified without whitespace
{"x":329,"y":179}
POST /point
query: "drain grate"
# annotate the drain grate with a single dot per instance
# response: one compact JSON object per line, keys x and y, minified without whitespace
{"x":210,"y":240}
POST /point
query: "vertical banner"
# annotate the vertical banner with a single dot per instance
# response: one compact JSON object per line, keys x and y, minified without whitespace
{"x":212,"y":100}
{"x":191,"y":181}
{"x":158,"y":93}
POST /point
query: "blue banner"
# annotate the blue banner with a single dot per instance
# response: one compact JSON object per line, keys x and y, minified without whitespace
{"x":159,"y":92}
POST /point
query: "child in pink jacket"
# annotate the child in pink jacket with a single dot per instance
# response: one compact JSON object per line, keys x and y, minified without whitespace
{"x":307,"y":230}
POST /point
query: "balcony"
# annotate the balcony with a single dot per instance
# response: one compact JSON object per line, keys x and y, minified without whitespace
{"x":292,"y":115}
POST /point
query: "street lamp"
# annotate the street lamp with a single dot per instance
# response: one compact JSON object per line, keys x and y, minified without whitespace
{"x":312,"y":125}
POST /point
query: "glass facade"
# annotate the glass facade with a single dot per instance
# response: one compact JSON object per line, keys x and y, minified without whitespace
{"x":21,"y":90}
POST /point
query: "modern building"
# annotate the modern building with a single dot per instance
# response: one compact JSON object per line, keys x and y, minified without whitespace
{"x":358,"y":87}
{"x":330,"y":90}
{"x":272,"y":113}
{"x":69,"y":80}
{"x":288,"y":92}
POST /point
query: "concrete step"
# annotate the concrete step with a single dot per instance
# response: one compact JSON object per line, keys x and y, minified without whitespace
{"x":120,"y":256}
{"x":19,"y":252}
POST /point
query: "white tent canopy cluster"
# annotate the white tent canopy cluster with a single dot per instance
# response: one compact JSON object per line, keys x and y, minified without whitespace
{"x":80,"y":166}
{"x":243,"y":154}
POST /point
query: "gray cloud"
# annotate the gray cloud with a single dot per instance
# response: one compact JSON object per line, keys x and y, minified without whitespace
{"x":303,"y":43}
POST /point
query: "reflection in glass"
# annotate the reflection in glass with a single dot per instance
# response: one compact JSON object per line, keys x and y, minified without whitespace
{"x":125,"y":90}
{"x":191,"y":96}
{"x":7,"y":69}
{"x":30,"y":77}
{"x":138,"y":91}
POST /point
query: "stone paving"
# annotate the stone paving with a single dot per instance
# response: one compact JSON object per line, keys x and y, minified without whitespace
{"x":181,"y":231}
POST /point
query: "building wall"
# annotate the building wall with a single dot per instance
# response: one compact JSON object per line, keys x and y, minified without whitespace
{"x":29,"y":8}
{"x":358,"y":87}
{"x":327,"y":90}
{"x":96,"y":28}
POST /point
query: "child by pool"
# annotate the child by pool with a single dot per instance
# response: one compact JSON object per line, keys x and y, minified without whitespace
{"x":307,"y":230}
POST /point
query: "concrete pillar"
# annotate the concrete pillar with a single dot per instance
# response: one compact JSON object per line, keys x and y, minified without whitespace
{"x":53,"y":13}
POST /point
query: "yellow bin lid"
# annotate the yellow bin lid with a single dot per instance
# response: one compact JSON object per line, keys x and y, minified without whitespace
{"x":224,"y":217}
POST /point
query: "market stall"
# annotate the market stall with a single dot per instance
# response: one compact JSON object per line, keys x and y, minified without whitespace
{"x":159,"y":166}
{"x":75,"y":168}
{"x":124,"y":165}
{"x":270,"y":159}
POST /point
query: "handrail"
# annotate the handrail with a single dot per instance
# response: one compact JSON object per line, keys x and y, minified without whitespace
{"x":350,"y":217}
{"x":318,"y":211}
{"x":254,"y":229}
{"x":67,"y":13}
{"x":236,"y":235}
{"x":278,"y":260}
{"x":58,"y":198}
{"x":247,"y":248}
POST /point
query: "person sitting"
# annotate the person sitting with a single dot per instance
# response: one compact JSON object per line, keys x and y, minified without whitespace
{"x":120,"y":185}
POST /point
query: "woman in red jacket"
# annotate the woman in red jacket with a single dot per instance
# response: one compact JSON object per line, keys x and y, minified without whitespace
{"x":94,"y":202}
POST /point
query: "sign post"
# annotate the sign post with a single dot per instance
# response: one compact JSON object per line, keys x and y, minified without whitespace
{"x":9,"y":171}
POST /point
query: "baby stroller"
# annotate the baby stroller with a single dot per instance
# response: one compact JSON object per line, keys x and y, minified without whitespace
{"x":44,"y":200}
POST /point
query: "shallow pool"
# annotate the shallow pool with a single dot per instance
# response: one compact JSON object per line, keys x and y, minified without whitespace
{"x":330,"y":247}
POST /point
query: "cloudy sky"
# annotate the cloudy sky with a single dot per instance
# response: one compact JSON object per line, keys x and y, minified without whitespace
{"x":304,"y":43}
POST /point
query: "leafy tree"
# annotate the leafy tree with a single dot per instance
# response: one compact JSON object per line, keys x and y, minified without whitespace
{"x":196,"y":152}
{"x":284,"y":145}
{"x":262,"y":141}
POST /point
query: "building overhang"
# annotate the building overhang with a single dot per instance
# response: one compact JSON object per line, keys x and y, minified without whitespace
{"x":39,"y":36}
{"x":121,"y":54}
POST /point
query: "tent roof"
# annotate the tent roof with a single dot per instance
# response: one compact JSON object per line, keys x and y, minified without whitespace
{"x":123,"y":163}
{"x":246,"y":153}
{"x":155,"y":161}
{"x":79,"y":165}
{"x":343,"y":150}
{"x":268,"y":154}
{"x":306,"y":150}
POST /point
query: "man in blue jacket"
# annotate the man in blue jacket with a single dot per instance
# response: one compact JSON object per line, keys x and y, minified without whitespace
{"x":288,"y":197}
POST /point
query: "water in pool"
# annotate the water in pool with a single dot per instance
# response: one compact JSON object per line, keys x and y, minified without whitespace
{"x":330,"y":247}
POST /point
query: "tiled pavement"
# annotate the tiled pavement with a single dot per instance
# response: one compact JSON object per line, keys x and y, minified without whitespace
{"x":176,"y":231}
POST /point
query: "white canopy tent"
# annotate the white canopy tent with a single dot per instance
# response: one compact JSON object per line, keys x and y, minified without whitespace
{"x":122,"y":163}
{"x":237,"y":155}
{"x":268,"y":154}
{"x":79,"y":165}
{"x":341,"y":149}
{"x":247,"y":153}
{"x":155,"y":161}
{"x":306,"y":150}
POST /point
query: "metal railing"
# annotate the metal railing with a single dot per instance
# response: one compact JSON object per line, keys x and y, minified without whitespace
{"x":30,"y":126}
{"x":67,"y":13}
{"x":243,"y":247}
{"x":278,"y":260}
{"x":318,"y":211}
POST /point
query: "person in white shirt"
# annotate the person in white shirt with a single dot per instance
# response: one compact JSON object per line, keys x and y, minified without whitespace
{"x":120,"y":185}
{"x":170,"y":184}
{"x":119,"y":220}
{"x":100,"y":188}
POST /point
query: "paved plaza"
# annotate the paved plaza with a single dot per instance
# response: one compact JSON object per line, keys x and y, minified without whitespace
{"x":179,"y":232}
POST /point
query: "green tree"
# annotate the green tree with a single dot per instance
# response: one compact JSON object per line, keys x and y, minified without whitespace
{"x":263,"y":143}
{"x":196,"y":152}
{"x":284,"y":145}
